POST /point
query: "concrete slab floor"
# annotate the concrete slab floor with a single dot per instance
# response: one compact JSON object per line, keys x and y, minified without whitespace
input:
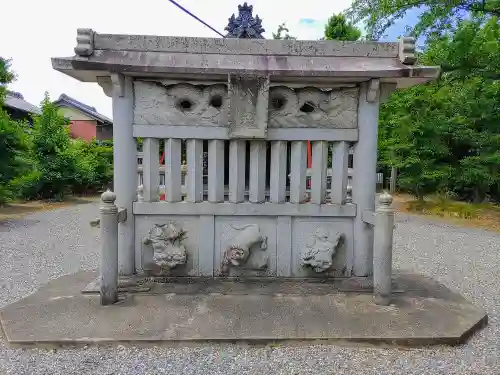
{"x":423,"y":313}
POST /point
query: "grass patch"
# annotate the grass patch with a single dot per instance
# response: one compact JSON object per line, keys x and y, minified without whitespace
{"x":483,"y":215}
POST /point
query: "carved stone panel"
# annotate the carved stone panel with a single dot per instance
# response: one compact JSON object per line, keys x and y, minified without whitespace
{"x":167,"y":245}
{"x":245,"y":247}
{"x":319,"y":253}
{"x":313,"y":107}
{"x":166,"y":241}
{"x":322,"y":247}
{"x":248,"y":102}
{"x":180,"y":104}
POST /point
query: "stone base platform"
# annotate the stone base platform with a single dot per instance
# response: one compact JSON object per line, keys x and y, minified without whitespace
{"x":423,"y":313}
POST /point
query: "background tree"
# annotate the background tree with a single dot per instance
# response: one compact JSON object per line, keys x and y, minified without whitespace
{"x":436,"y":16}
{"x":338,"y":28}
{"x":282,"y":33}
{"x":445,"y":135}
{"x":13,"y":139}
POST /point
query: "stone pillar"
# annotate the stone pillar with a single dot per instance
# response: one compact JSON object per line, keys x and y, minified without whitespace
{"x":109,"y":249}
{"x":382,"y":251}
{"x":125,"y":168}
{"x":365,"y":175}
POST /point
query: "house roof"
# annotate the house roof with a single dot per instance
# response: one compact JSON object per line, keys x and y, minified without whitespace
{"x":16,"y":100}
{"x":67,"y":101}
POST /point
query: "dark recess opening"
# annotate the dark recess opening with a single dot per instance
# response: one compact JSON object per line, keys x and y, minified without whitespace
{"x":308,"y":107}
{"x":216,"y":101}
{"x":278,"y":102}
{"x":185,"y":104}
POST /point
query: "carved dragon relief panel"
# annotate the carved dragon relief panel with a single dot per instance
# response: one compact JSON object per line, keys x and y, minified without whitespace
{"x":313,"y":107}
{"x":180,"y":104}
{"x":248,"y":107}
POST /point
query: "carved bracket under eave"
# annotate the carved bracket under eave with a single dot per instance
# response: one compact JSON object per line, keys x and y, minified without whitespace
{"x":106,"y":85}
{"x":113,"y":85}
{"x":373,"y":90}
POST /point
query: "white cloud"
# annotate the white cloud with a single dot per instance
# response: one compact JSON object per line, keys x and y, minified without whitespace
{"x":48,"y":29}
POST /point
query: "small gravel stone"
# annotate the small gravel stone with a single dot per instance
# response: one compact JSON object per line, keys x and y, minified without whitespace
{"x":44,"y":246}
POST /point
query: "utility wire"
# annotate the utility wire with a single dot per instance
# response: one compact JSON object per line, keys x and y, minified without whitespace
{"x":195,"y":17}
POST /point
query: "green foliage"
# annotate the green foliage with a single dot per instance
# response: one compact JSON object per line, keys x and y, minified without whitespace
{"x":445,"y":136}
{"x":51,"y":152}
{"x":472,"y":50}
{"x":6,"y":77}
{"x":338,"y":28}
{"x":282,"y":33}
{"x":437,"y":15}
{"x":13,"y":140}
{"x":94,"y":165}
{"x":61,"y":165}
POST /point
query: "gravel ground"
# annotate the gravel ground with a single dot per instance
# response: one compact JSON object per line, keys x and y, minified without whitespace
{"x":46,"y":245}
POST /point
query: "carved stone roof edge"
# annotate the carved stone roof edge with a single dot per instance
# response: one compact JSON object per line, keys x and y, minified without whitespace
{"x":299,"y":69}
{"x":180,"y":44}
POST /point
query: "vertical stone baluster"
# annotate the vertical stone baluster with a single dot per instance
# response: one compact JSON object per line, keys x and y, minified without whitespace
{"x":216,"y":171}
{"x":109,"y":249}
{"x":173,"y":170}
{"x":257,"y":171}
{"x":382,"y":250}
{"x":340,"y":158}
{"x":278,"y":171}
{"x":151,"y":170}
{"x":237,"y":156}
{"x":194,"y":152}
{"x":298,"y":172}
{"x":319,"y":164}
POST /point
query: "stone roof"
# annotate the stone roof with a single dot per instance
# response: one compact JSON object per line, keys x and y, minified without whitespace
{"x":213,"y":59}
{"x":66,"y":101}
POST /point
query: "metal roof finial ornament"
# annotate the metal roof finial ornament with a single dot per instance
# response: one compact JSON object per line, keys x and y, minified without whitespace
{"x":245,"y":25}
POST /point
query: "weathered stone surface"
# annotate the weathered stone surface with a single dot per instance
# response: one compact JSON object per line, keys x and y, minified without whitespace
{"x":312,"y":107}
{"x":248,"y":111}
{"x":179,"y":104}
{"x":423,"y":313}
{"x":182,"y":44}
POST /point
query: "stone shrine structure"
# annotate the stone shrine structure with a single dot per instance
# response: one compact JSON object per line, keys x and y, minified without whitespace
{"x":267,"y":98}
{"x":235,"y":261}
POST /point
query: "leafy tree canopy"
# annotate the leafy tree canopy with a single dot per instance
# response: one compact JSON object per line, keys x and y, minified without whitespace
{"x":436,"y":15}
{"x":445,"y":135}
{"x":338,"y":28}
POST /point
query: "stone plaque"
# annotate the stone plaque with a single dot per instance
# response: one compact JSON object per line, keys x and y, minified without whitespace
{"x":248,"y":106}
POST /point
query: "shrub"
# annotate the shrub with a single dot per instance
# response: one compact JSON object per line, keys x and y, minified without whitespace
{"x":51,"y":151}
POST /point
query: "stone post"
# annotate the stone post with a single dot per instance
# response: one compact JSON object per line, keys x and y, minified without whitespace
{"x":125,"y":167}
{"x":109,"y":249}
{"x":382,"y":250}
{"x":364,"y":181}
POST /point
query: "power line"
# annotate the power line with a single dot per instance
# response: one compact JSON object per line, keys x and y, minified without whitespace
{"x":195,"y":17}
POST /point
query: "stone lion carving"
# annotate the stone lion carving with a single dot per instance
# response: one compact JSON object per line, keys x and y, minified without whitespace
{"x":319,"y":253}
{"x":238,"y":252}
{"x":166,"y":241}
